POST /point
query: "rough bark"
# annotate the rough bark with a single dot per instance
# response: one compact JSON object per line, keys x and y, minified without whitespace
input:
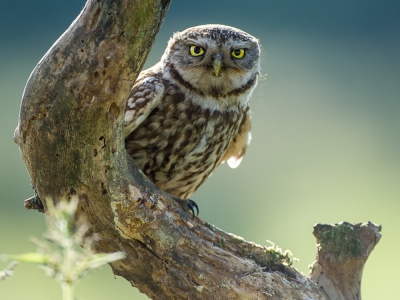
{"x":71,"y":140}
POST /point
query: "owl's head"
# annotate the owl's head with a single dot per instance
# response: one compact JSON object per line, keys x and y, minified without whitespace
{"x":214,"y":60}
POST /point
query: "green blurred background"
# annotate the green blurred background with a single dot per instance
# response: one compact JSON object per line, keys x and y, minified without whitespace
{"x":326,"y":131}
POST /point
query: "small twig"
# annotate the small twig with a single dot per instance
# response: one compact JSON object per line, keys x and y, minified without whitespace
{"x":34,"y":203}
{"x":7,"y":272}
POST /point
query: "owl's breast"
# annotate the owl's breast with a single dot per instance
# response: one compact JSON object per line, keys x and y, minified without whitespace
{"x":181,"y":142}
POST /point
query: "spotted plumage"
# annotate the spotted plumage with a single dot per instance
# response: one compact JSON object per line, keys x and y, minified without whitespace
{"x":189,"y":113}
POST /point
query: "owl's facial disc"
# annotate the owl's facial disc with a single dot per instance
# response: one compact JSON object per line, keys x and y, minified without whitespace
{"x":213,"y":60}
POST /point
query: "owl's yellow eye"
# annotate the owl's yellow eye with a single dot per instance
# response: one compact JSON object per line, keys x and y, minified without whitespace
{"x":196,"y":50}
{"x":238,"y":53}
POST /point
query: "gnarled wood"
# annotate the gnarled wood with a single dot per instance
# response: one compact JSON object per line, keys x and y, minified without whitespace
{"x":71,"y":140}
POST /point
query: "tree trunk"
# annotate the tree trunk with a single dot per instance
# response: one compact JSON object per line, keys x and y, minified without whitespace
{"x":71,"y":140}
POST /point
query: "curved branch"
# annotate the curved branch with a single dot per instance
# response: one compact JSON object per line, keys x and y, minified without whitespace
{"x":71,"y":140}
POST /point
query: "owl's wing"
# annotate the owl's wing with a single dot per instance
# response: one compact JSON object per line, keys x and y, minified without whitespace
{"x":143,"y":98}
{"x":237,"y":147}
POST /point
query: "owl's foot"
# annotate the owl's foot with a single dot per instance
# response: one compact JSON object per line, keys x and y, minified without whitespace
{"x":188,"y":205}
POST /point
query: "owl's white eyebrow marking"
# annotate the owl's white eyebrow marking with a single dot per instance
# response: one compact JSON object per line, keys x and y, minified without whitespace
{"x":240,"y":44}
{"x":190,"y":42}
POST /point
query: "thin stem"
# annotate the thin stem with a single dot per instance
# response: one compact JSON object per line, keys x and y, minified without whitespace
{"x":68,"y":260}
{"x":68,"y":290}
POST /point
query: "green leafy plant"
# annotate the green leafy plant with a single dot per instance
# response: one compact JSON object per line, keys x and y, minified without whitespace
{"x":60,"y":255}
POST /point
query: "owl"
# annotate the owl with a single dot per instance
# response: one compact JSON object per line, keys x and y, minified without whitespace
{"x":190,"y":113}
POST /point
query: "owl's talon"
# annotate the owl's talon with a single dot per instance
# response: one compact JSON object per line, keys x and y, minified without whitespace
{"x":188,"y":205}
{"x":191,"y":204}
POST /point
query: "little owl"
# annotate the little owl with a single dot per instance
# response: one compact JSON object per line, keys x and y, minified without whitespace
{"x":189,"y":113}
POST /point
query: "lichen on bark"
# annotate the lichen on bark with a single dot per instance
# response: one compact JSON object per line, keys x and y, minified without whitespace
{"x":341,"y":240}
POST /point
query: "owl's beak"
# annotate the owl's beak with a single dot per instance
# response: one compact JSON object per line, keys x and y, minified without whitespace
{"x":217,"y":64}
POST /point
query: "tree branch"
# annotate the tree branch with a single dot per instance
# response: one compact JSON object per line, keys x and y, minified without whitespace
{"x":71,"y":140}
